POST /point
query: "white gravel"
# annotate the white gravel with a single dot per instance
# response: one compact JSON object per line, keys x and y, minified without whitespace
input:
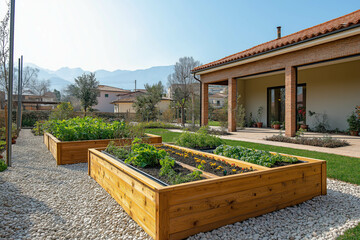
{"x":39,"y":200}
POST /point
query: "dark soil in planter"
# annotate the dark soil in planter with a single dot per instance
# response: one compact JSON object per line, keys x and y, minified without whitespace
{"x":195,"y":160}
{"x":155,"y":171}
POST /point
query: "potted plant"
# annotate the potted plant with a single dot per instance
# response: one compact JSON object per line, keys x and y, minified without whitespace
{"x":259,"y":117}
{"x":354,"y":124}
{"x":275,"y":124}
{"x":302,"y":118}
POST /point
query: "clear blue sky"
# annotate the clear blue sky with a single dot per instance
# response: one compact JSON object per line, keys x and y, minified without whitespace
{"x":135,"y":34}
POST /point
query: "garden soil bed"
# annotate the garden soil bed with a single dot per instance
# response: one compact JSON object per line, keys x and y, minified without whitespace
{"x":182,"y":210}
{"x":154,"y":171}
{"x":77,"y":151}
{"x":210,"y":164}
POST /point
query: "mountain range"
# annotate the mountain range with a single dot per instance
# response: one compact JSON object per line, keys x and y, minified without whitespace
{"x":125,"y":79}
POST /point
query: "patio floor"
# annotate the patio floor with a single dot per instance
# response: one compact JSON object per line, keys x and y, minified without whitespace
{"x":257,"y":135}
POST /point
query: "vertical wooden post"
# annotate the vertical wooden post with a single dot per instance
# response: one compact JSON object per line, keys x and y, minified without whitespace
{"x":232,"y":105}
{"x":205,"y":104}
{"x":290,"y":101}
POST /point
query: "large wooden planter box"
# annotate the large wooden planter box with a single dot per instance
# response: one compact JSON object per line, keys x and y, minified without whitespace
{"x":178,"y":211}
{"x":77,"y":151}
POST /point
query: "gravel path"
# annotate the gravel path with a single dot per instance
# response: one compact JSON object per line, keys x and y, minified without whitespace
{"x":39,"y":200}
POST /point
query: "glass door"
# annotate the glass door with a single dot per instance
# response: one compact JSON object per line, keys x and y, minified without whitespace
{"x":276,"y":104}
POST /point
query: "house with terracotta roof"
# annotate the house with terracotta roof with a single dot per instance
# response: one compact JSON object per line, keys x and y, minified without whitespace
{"x":124,"y":102}
{"x":106,"y":95}
{"x":316,"y":69}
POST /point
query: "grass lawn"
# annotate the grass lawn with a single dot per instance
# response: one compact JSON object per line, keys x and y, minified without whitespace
{"x":214,"y":123}
{"x":339,"y":167}
{"x":351,"y":234}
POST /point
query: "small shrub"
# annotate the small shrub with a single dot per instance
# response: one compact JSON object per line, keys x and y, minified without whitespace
{"x":325,"y":141}
{"x":119,"y":152}
{"x":144,"y":155}
{"x":199,"y":140}
{"x":263,"y":158}
{"x":39,"y":128}
{"x":3,"y":165}
{"x":63,"y":111}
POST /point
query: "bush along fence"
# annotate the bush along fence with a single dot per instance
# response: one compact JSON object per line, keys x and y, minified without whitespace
{"x":29,"y":118}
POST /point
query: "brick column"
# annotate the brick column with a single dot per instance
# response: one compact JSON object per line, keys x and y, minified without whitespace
{"x":290,"y":101}
{"x":232,"y":105}
{"x":205,"y":104}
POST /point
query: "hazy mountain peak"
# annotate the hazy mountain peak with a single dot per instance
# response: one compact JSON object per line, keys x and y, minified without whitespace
{"x":125,"y":79}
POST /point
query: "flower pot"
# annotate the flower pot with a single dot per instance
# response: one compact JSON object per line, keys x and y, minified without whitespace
{"x":1,"y":157}
{"x":13,"y":141}
{"x":254,"y":125}
{"x":276,"y":126}
{"x":354,"y":133}
{"x":304,"y":126}
{"x":259,"y":124}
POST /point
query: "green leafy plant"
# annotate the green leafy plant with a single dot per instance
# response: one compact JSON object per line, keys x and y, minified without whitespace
{"x":63,"y":111}
{"x":199,"y":140}
{"x":262,"y":158}
{"x":89,"y":128}
{"x":3,"y":165}
{"x":354,"y":122}
{"x":119,"y":152}
{"x":144,"y":155}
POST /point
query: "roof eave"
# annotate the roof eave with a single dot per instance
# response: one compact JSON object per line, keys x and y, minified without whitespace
{"x":274,"y":50}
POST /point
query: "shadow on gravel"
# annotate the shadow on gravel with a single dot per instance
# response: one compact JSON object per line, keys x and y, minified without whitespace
{"x":80,"y":167}
{"x":17,"y":210}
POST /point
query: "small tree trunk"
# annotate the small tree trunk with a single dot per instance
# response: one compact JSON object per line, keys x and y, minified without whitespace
{"x":183,"y":116}
{"x":193,"y":109}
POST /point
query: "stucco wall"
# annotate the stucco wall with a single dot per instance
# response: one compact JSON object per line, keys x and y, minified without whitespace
{"x":127,"y":107}
{"x":104,"y":103}
{"x":332,"y":89}
{"x":255,"y":93}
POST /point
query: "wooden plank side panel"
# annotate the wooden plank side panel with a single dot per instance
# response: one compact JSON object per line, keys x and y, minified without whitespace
{"x":53,"y":147}
{"x":140,"y":207}
{"x":214,"y":225}
{"x":214,"y":187}
{"x":77,"y":151}
{"x":219,"y":208}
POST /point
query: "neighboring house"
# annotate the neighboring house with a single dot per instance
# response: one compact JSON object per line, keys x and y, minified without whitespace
{"x":124,"y":103}
{"x":31,"y":101}
{"x":316,"y":69}
{"x":217,"y":100}
{"x":107,"y":95}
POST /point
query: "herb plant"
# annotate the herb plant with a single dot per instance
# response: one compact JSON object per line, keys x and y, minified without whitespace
{"x":89,"y":128}
{"x":199,"y":140}
{"x":263,"y":158}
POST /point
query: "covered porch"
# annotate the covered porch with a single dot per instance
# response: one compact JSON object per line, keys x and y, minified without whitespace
{"x":299,"y":83}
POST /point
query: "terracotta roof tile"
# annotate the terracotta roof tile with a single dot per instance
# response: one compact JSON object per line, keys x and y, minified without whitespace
{"x":312,"y":32}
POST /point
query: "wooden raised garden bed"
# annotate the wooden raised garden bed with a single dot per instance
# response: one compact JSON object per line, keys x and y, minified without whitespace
{"x":77,"y":151}
{"x":182,"y":210}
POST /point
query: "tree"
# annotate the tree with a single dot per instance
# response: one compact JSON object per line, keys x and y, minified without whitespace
{"x":86,"y":90}
{"x":145,"y":104}
{"x":40,"y":87}
{"x":29,"y":81}
{"x":57,"y":94}
{"x":182,"y":85}
{"x":4,"y":49}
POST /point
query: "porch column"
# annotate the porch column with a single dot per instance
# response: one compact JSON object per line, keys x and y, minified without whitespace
{"x":205,"y":104}
{"x":290,"y":101}
{"x":232,"y":105}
